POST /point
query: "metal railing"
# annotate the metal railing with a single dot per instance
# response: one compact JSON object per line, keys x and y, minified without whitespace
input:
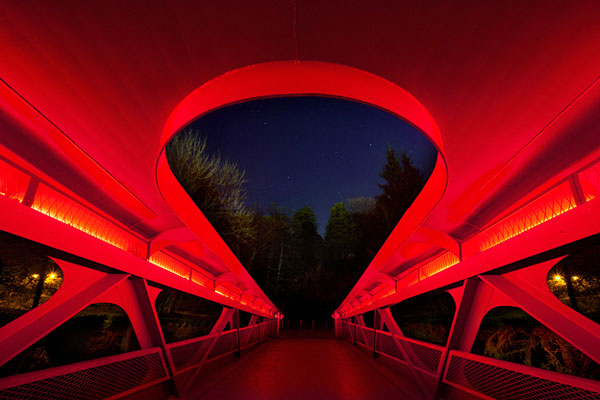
{"x":423,"y":356}
{"x":113,"y":376}
{"x":481,"y":376}
{"x":26,"y":188}
{"x":565,"y":195}
{"x":120,"y":375}
{"x":192,"y":353}
{"x":489,"y":378}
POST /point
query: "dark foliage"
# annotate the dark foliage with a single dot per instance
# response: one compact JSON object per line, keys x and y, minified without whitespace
{"x":99,"y":330}
{"x":575,"y":281}
{"x":28,"y":277}
{"x":427,"y":317}
{"x":184,"y":316}
{"x":306,"y":275}
{"x":509,"y":333}
{"x":402,"y":183}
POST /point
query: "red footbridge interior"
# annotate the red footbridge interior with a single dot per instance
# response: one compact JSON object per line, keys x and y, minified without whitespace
{"x":507,"y":92}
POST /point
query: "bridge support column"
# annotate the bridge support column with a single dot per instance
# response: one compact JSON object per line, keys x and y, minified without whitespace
{"x":81,"y":287}
{"x":226,"y":317}
{"x":547,"y":309}
{"x":137,"y":299}
{"x":407,"y":352}
{"x":477,"y":298}
{"x":377,"y":326}
{"x":236,"y":326}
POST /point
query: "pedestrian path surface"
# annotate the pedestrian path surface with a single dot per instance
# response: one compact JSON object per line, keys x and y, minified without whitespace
{"x":302,"y":365}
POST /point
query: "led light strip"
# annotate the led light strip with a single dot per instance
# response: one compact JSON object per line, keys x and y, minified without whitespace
{"x":14,"y":184}
{"x":554,"y":202}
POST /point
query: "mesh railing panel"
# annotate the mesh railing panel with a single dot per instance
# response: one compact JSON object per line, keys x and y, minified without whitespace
{"x":189,"y":353}
{"x":427,"y":357}
{"x":227,"y":343}
{"x":360,"y":338}
{"x":254,"y":334}
{"x":387,"y":345}
{"x":346,"y":331}
{"x":423,"y":355}
{"x":507,"y":384}
{"x":13,"y":182}
{"x":97,"y":382}
{"x":366,"y":337}
{"x":264,"y":331}
{"x":249,"y":335}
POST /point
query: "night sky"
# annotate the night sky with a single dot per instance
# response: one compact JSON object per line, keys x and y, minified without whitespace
{"x":314,"y":151}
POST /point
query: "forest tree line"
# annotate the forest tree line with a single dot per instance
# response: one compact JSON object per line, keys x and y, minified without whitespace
{"x":305,"y":274}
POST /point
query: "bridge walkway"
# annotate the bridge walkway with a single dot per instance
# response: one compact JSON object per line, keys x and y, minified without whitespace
{"x":309,"y":365}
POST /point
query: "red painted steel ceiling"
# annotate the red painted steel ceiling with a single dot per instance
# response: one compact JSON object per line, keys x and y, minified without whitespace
{"x":512,"y":86}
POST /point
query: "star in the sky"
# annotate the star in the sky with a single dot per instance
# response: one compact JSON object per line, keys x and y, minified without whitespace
{"x":297,"y":159}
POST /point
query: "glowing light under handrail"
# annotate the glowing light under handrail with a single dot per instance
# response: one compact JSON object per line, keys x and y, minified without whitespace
{"x":438,"y":264}
{"x":384,"y":290}
{"x":549,"y":205}
{"x":13,"y":182}
{"x":590,"y":182}
{"x":62,"y":208}
{"x":165,"y":261}
{"x":201,"y":279}
{"x":222,"y":291}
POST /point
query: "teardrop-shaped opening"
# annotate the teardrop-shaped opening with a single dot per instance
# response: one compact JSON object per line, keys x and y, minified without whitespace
{"x":304,"y":190}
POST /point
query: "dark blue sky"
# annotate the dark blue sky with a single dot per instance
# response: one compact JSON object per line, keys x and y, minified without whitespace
{"x":314,"y":151}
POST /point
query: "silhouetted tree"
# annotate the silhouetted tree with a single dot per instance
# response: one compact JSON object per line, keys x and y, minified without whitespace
{"x":361,"y":209}
{"x":402,"y":183}
{"x":575,"y":280}
{"x":283,"y":251}
{"x":217,"y":186}
{"x":306,"y":239}
{"x":27,"y":277}
{"x":275,"y":232}
{"x":340,"y":237}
